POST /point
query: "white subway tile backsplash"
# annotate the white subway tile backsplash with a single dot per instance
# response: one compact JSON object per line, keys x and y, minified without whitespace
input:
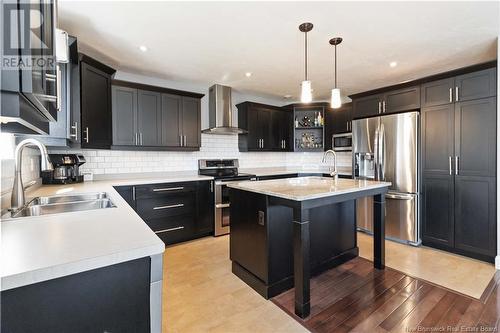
{"x":212,"y":146}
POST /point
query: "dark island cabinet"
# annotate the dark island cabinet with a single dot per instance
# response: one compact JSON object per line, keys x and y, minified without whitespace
{"x":269,"y":127}
{"x":459,"y":176}
{"x":176,"y":211}
{"x":150,"y":119}
{"x":96,"y":119}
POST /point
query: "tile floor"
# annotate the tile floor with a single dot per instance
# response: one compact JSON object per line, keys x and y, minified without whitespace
{"x":202,"y":295}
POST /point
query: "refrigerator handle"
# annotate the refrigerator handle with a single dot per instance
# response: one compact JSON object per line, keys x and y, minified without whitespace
{"x":381,"y":149}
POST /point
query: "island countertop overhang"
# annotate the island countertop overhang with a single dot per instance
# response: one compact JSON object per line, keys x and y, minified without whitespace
{"x":309,"y":188}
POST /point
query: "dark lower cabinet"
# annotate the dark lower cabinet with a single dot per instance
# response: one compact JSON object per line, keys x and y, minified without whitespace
{"x":438,"y":212}
{"x":475,"y":215}
{"x":459,"y":177}
{"x":95,"y":94}
{"x":110,"y":299}
{"x":176,"y":211}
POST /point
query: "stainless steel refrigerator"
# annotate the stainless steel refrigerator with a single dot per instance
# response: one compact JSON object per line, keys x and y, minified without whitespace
{"x":386,"y":148}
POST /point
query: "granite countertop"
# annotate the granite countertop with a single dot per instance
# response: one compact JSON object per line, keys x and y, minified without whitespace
{"x":307,"y":188}
{"x":40,"y":248}
{"x":343,"y":170}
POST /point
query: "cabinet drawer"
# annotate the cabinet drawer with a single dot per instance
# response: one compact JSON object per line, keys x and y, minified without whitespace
{"x":171,"y":223}
{"x":163,"y":190}
{"x":173,"y":230}
{"x":181,"y":203}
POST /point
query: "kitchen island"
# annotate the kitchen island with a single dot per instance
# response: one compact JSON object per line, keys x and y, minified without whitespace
{"x":272,"y":254}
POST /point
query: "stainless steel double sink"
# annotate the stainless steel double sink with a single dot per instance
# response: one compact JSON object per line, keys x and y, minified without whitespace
{"x":64,"y":204}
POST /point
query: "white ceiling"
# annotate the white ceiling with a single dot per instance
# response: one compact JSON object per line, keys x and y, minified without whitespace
{"x":217,"y":42}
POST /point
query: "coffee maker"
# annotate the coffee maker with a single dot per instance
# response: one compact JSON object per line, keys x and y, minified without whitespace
{"x":66,"y":169}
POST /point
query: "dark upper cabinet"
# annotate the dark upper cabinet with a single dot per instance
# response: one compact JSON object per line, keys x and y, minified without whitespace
{"x":95,"y":90}
{"x":406,"y":99}
{"x":437,"y":92}
{"x":400,"y":100}
{"x":459,"y":177}
{"x":124,"y":116}
{"x":269,"y":127}
{"x":171,"y":106}
{"x":367,"y":106}
{"x":337,"y":121}
{"x":29,"y":96}
{"x":437,"y":132}
{"x":191,"y":122}
{"x":476,"y":85}
{"x":475,"y":137}
{"x":149,"y":118}
{"x":154,"y":120}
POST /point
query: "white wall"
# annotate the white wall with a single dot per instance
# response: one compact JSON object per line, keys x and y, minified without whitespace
{"x":212,"y":146}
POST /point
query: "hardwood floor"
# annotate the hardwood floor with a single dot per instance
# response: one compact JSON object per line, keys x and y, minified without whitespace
{"x":355,"y":297}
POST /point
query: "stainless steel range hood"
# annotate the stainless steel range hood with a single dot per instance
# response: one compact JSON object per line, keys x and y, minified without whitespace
{"x":220,"y":111}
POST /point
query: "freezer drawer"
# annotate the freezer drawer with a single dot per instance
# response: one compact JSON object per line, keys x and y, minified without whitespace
{"x":401,"y":219}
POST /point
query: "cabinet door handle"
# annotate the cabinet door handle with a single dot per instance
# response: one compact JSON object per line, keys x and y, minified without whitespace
{"x":168,"y":189}
{"x":185,"y":139}
{"x":219,"y":206}
{"x":75,"y":127}
{"x":87,"y":134}
{"x":140,"y":135}
{"x":451,"y":95}
{"x":383,"y":107}
{"x":449,"y":163}
{"x":169,"y":206}
{"x":168,"y":230}
{"x":379,"y":107}
{"x":456,"y":94}
{"x":457,"y":164}
{"x":262,"y":143}
{"x":133,"y":192}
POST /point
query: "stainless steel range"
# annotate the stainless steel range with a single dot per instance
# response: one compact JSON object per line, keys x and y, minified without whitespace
{"x":224,"y":172}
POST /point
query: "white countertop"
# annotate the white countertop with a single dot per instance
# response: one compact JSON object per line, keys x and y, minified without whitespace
{"x":343,"y":170}
{"x":35,"y":249}
{"x":307,"y":188}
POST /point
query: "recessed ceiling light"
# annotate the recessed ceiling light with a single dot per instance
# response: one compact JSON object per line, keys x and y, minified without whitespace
{"x":143,"y":48}
{"x":248,"y":74}
{"x":393,"y":64}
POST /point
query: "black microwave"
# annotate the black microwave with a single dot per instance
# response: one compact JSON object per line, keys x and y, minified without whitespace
{"x":342,"y":142}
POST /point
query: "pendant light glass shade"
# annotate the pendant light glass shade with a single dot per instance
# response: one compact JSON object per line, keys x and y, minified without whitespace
{"x":305,"y":92}
{"x":336,"y":102}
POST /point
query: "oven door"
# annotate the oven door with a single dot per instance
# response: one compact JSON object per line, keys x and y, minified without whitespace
{"x":222,"y":206}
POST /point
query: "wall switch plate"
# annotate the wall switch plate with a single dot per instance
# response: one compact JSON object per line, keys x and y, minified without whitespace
{"x":262,"y":218}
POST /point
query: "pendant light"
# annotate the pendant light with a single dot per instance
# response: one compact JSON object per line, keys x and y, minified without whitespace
{"x":306,"y":91}
{"x":335,"y":101}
